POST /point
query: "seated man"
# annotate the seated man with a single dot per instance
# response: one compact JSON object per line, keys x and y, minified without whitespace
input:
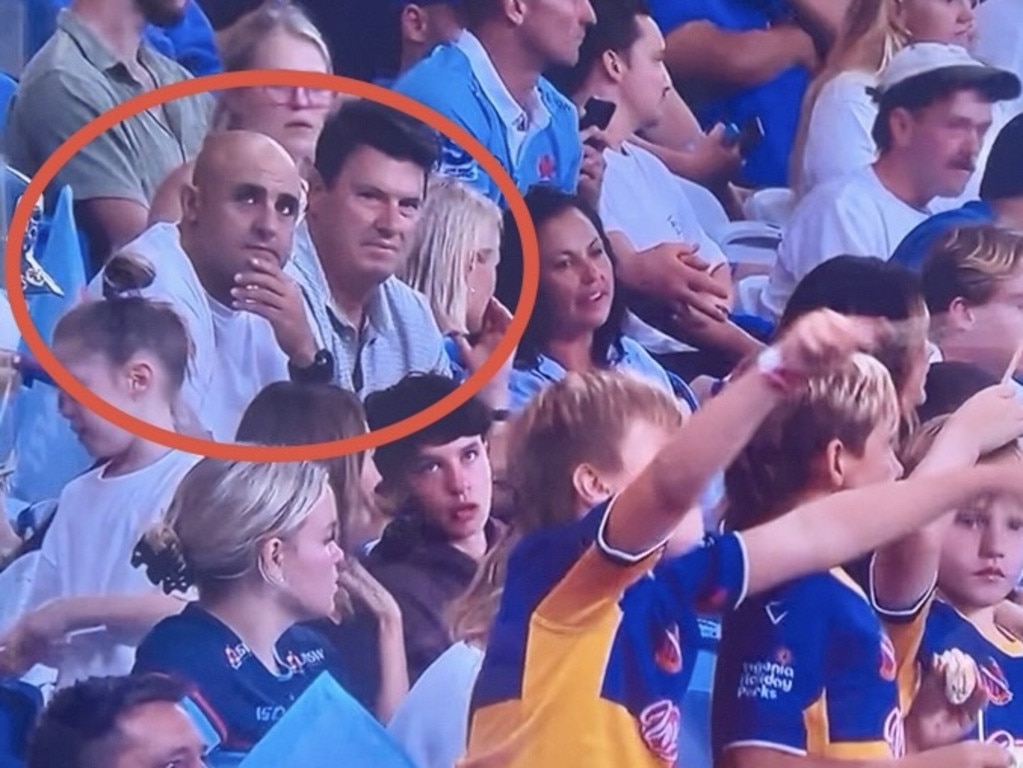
{"x":96,"y":60}
{"x":117,"y":722}
{"x":973,"y":284}
{"x":221,"y":268}
{"x":678,"y":274}
{"x":372,"y":165}
{"x":934,"y":110}
{"x":1000,"y":203}
{"x":490,"y":82}
{"x":441,"y":480}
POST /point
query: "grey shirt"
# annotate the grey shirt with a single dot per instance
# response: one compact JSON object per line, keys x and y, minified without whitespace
{"x":72,"y":80}
{"x":400,"y":335}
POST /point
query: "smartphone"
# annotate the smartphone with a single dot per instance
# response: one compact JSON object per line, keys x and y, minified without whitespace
{"x":597,"y":113}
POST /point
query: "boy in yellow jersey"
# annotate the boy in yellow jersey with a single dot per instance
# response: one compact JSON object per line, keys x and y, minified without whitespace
{"x":586,"y":664}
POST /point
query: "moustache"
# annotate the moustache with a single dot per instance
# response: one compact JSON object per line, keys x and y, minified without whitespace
{"x":964,"y":164}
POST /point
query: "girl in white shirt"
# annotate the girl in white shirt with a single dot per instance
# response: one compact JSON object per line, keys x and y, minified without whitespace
{"x":88,"y":606}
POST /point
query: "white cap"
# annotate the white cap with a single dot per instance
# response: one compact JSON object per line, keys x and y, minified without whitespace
{"x":925,"y":58}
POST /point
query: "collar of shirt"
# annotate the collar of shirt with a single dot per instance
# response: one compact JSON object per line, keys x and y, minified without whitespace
{"x":514,"y":117}
{"x":94,"y":49}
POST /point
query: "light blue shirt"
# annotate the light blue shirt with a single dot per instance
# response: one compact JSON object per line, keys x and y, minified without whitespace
{"x":526,"y":383}
{"x":541,"y":146}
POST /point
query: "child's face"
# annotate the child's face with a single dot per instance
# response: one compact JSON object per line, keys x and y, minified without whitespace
{"x":100,"y":438}
{"x":878,"y":464}
{"x":997,"y":327}
{"x":452,"y":486}
{"x":982,"y":556}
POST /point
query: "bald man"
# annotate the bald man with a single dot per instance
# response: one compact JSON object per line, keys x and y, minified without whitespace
{"x":221,"y":268}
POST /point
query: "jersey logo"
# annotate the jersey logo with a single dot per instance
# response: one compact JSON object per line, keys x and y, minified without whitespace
{"x":995,"y":683}
{"x":660,"y":724}
{"x":545,"y":168}
{"x":669,"y":653}
{"x":895,"y":733}
{"x":457,"y":163}
{"x":236,"y":655}
{"x":775,"y":612}
{"x":889,"y":663}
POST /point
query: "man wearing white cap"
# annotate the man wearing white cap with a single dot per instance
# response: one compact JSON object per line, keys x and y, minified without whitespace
{"x":934,"y":109}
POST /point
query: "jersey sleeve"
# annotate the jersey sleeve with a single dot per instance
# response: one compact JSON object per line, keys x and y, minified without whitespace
{"x":770,"y":675}
{"x":710,"y":579}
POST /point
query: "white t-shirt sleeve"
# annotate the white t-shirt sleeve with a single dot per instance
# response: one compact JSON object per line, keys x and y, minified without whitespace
{"x":839,"y":139}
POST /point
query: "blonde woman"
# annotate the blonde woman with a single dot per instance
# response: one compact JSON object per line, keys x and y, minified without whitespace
{"x":259,"y":543}
{"x":838,"y":112}
{"x":453,"y":261}
{"x":277,"y":35}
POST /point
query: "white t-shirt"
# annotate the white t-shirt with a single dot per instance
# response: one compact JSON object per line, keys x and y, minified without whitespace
{"x":87,"y":551}
{"x":838,"y":140}
{"x":645,"y":202}
{"x":431,"y":724}
{"x":235,"y":353}
{"x":855,"y":215}
{"x":1000,"y":39}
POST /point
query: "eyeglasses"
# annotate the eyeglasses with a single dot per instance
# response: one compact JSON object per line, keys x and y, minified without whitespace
{"x":284,"y":95}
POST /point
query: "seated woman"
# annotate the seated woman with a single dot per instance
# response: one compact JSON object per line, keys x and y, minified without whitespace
{"x":274,"y":36}
{"x":576,"y":325}
{"x":259,"y":542}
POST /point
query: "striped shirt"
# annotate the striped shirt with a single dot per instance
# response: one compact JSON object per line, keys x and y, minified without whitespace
{"x":399,"y":336}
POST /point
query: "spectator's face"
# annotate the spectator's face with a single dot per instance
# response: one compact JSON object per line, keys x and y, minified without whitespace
{"x":576,"y":278}
{"x":292,"y":116}
{"x":482,"y":279}
{"x":944,"y":141}
{"x":162,"y":13}
{"x":451,"y":485}
{"x":982,"y":556}
{"x":939,"y":21}
{"x":645,"y":82}
{"x":554,"y":29}
{"x":367,"y":216}
{"x":125,"y":387}
{"x":309,"y":561}
{"x":877,"y":464}
{"x":993,"y":331}
{"x":246,"y":210}
{"x":158,"y":735}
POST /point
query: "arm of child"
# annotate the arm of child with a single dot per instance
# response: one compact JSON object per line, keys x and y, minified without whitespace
{"x":905,"y":571}
{"x":966,"y":754}
{"x":843,"y":526}
{"x":652,"y":506}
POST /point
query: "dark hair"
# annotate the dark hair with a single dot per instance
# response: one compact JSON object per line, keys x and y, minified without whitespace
{"x":917,"y":93}
{"x":72,"y":729}
{"x":290,"y":413}
{"x":413,"y":394}
{"x":366,"y":123}
{"x":617,"y":29}
{"x":1002,"y":178}
{"x":475,"y":12}
{"x":125,"y":323}
{"x":949,"y":385}
{"x":868,"y":287}
{"x":545,"y":203}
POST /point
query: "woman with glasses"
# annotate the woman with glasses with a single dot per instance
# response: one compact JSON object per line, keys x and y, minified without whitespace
{"x":278,"y":35}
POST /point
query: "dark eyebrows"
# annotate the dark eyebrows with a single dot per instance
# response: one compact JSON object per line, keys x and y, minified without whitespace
{"x":248,"y":189}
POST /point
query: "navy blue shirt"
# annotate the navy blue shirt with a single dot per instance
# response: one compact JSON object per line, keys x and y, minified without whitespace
{"x":777,"y":102}
{"x":918,"y":243}
{"x":239,"y":696}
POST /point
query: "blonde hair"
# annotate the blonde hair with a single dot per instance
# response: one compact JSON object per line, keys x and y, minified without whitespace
{"x":581,"y":419}
{"x":454,"y":226}
{"x":868,"y":40}
{"x":221,"y":513}
{"x":970,"y":263}
{"x":778,"y":463}
{"x":239,"y":43}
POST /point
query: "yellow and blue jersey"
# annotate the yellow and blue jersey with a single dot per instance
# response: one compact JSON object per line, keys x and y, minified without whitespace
{"x":1000,"y":658}
{"x":592,"y":650}
{"x":808,"y":668}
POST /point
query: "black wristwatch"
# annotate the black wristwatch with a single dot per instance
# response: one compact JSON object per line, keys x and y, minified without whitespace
{"x":321,"y":371}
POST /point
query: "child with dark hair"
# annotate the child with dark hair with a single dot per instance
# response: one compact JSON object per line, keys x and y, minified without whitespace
{"x":117,"y":722}
{"x":133,"y":353}
{"x":440,"y":480}
{"x":951,"y":384}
